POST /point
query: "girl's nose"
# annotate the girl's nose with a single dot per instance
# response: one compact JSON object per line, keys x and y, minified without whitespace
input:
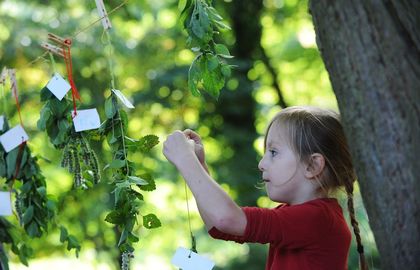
{"x":261,"y":165}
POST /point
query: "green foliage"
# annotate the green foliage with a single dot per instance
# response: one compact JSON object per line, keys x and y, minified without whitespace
{"x":35,"y":210}
{"x":78,"y":156}
{"x":72,"y":242}
{"x":209,"y":68}
{"x":127,"y":183}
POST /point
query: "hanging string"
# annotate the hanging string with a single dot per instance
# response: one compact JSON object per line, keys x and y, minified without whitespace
{"x":78,"y":32}
{"x":193,"y":242}
{"x":69,"y":66}
{"x":54,"y":66}
{"x":15,"y":93}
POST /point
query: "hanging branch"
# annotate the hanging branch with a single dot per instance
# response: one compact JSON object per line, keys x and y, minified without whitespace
{"x":127,"y":183}
{"x":209,"y":69}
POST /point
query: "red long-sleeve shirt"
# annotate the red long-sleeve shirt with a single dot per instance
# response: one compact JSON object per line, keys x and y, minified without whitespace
{"x":309,"y":236}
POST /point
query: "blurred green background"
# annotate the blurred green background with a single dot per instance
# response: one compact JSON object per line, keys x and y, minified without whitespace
{"x":273,"y":42}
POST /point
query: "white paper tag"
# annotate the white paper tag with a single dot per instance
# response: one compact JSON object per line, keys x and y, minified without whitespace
{"x":86,"y":120}
{"x":189,"y":260}
{"x":58,"y":86}
{"x":5,"y":204}
{"x":1,"y":122}
{"x":13,"y":138}
{"x":123,"y":99}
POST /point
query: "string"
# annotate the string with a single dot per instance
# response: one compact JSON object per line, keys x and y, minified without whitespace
{"x":80,"y":31}
{"x":15,"y":93}
{"x":69,"y":66}
{"x":193,"y":242}
{"x":54,"y":66}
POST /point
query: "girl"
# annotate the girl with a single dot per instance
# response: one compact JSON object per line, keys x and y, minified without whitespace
{"x":306,"y":158}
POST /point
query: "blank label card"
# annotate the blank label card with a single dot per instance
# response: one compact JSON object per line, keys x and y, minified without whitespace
{"x":1,"y":122}
{"x":86,"y":120}
{"x":58,"y":86}
{"x":5,"y":204}
{"x":123,"y":99}
{"x":189,"y":260}
{"x":13,"y":138}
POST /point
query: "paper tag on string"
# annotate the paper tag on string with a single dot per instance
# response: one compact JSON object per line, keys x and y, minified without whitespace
{"x":5,"y":204}
{"x":13,"y":138}
{"x":86,"y":120}
{"x":1,"y":122}
{"x":189,"y":260}
{"x":123,"y":99}
{"x":58,"y":86}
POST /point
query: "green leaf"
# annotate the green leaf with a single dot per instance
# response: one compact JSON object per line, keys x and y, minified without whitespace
{"x":44,"y":118}
{"x":148,"y":142}
{"x":117,"y":164}
{"x":46,"y":94}
{"x":150,"y":221}
{"x":115,"y":217}
{"x":63,"y":234}
{"x":151,"y":183}
{"x":226,"y":70}
{"x":28,"y":215}
{"x":194,"y":77}
{"x":132,"y":237}
{"x":137,"y":181}
{"x":222,"y":50}
{"x":33,"y":230}
{"x":212,"y":62}
{"x":123,"y":236}
{"x":110,"y":108}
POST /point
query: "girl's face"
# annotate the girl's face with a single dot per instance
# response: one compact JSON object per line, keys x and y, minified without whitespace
{"x":281,"y":170}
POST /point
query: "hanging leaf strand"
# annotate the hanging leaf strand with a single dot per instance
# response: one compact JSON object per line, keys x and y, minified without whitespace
{"x":209,"y":69}
{"x":78,"y":156}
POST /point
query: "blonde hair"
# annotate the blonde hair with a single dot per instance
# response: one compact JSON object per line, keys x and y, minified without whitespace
{"x":312,"y":130}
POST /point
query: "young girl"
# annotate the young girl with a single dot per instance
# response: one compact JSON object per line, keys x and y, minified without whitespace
{"x":306,"y":158}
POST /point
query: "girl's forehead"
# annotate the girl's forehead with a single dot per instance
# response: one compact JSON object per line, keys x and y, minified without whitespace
{"x":276,"y":134}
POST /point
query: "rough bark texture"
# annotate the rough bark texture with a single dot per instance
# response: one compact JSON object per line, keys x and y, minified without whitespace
{"x":371,"y":49}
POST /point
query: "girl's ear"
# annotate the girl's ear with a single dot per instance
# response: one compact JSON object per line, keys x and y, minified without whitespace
{"x":315,"y":166}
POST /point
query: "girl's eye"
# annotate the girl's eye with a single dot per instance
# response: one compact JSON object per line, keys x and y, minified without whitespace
{"x":273,"y":153}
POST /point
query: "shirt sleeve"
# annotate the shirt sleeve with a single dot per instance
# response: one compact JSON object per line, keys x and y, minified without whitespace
{"x":290,"y":226}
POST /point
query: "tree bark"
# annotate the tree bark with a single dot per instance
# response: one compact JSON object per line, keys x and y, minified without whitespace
{"x":371,"y":49}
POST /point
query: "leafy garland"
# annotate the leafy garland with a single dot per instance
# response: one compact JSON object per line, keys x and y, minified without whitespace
{"x":127,"y":183}
{"x":34,"y":209}
{"x":78,"y":156}
{"x":208,"y":68}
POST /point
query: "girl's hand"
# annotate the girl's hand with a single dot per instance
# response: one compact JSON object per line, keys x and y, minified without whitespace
{"x":198,"y":145}
{"x":178,"y":149}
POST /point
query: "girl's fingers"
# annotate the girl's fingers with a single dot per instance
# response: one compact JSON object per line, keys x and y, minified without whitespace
{"x":192,"y":135}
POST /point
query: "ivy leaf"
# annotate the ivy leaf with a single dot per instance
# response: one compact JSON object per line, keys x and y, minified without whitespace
{"x":32,"y":230}
{"x":150,"y":221}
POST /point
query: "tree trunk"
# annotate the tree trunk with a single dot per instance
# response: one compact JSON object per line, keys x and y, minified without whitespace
{"x":371,"y":49}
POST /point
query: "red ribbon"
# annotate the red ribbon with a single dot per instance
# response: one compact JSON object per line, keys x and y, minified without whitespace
{"x":69,"y":66}
{"x":19,"y":157}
